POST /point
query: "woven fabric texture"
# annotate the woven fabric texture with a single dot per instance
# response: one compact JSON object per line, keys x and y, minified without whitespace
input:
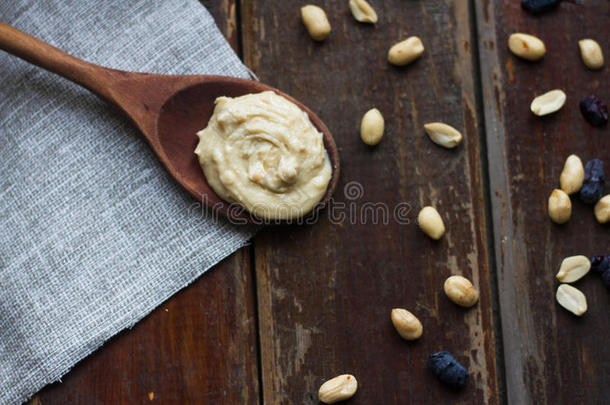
{"x":94,"y":234}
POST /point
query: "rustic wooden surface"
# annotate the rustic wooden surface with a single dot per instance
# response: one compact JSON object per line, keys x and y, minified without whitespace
{"x":550,"y":355}
{"x":199,"y":347}
{"x":325,"y":292}
{"x":273,"y":321}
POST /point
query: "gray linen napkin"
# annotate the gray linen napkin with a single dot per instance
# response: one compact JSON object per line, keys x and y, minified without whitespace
{"x":93,"y":233}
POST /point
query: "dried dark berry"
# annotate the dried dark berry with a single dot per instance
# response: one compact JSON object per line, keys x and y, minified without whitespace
{"x":594,"y":110}
{"x":447,"y":369}
{"x":593,"y":186}
{"x":539,"y":6}
{"x":600,"y":263}
{"x":606,"y":278}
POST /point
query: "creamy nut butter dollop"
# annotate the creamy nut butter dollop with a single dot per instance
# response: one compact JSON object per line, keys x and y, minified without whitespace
{"x":262,"y":151}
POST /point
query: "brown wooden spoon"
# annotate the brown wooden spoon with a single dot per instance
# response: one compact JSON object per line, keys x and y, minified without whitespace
{"x":168,"y":110}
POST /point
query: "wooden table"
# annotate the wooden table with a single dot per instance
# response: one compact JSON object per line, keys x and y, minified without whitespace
{"x":305,"y":303}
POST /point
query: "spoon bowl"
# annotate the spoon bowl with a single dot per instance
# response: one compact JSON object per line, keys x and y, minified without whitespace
{"x":169,"y":110}
{"x":188,"y":111}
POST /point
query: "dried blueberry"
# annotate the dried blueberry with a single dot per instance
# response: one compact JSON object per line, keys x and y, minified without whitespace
{"x":594,"y":110}
{"x":600,"y":263}
{"x":593,"y":186}
{"x":606,"y":278}
{"x":447,"y":369}
{"x":539,"y":6}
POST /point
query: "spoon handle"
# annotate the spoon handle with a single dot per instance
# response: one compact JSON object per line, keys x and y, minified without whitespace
{"x":93,"y":77}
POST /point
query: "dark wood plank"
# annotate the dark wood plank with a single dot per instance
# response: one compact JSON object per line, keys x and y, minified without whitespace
{"x":225,"y":15}
{"x":551,"y":356}
{"x":198,"y":347}
{"x":325,"y":292}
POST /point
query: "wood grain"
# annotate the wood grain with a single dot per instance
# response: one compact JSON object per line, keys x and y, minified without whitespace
{"x":325,"y":292}
{"x":198,"y":347}
{"x":550,"y":355}
{"x":225,"y":16}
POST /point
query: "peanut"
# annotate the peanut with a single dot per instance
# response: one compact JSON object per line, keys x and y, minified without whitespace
{"x":362,"y":11}
{"x":560,"y":207}
{"x":372,"y":127}
{"x":338,"y":389}
{"x":571,"y":299}
{"x":406,"y":51}
{"x":573,"y":268}
{"x":407,"y":325}
{"x":548,"y":102}
{"x":431,"y":223}
{"x":443,"y":134}
{"x":526,"y":46}
{"x":461,"y":291}
{"x":572,"y":175}
{"x":316,"y":22}
{"x":602,"y":210}
{"x":591,"y":53}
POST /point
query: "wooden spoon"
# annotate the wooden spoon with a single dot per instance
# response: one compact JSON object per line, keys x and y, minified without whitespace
{"x":168,"y":110}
